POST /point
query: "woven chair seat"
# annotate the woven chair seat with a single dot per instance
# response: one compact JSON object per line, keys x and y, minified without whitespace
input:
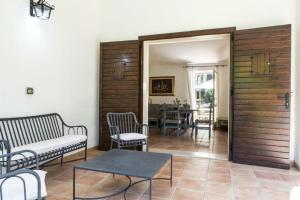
{"x":125,"y":130}
{"x":130,"y":136}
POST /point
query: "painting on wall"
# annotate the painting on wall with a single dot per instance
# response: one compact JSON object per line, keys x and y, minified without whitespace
{"x":162,"y":86}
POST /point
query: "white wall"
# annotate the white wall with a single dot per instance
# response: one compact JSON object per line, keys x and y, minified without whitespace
{"x":297,"y":80}
{"x":135,"y":17}
{"x":181,"y":82}
{"x":57,"y":57}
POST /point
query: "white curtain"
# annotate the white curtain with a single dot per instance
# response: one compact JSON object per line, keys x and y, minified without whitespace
{"x":191,"y":88}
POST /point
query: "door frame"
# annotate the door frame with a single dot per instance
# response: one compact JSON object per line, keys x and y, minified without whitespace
{"x":227,"y":30}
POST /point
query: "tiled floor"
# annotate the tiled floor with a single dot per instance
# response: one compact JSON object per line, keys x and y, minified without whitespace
{"x":194,"y":179}
{"x":217,"y":146}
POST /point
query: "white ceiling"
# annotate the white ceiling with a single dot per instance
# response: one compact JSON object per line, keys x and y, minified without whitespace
{"x":199,"y":50}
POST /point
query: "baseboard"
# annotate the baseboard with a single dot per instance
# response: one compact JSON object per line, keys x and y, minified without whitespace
{"x":93,"y":148}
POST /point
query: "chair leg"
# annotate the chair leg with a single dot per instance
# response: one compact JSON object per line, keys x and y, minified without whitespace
{"x":147,"y":145}
{"x":193,"y":129}
{"x":111,"y":144}
{"x":209,"y":134}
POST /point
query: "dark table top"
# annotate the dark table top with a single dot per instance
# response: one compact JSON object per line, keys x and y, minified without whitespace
{"x":126,"y":162}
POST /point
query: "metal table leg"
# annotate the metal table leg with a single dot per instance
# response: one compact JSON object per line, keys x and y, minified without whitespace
{"x":171,"y":177}
{"x":150,"y":190}
{"x":74,"y":185}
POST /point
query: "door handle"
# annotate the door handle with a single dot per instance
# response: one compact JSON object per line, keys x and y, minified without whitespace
{"x":286,"y":97}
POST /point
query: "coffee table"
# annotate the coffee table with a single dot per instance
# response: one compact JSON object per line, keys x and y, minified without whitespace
{"x":128,"y":163}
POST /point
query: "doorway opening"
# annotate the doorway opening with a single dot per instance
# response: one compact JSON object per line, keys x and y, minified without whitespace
{"x":186,"y":95}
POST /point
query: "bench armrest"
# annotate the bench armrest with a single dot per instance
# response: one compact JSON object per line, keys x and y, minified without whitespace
{"x":5,"y":146}
{"x":16,"y":174}
{"x":74,"y":130}
{"x":21,"y":159}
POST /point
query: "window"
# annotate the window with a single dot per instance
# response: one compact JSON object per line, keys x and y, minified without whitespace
{"x":203,"y":77}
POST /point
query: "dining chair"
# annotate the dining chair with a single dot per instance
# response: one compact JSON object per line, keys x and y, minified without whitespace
{"x":204,"y":124}
{"x":172,"y":119}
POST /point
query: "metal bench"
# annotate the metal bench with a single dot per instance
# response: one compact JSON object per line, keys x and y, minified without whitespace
{"x":47,"y":135}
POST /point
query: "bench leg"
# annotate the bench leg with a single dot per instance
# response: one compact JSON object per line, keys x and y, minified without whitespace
{"x":85,"y":151}
{"x":62,"y":158}
{"x":150,"y":189}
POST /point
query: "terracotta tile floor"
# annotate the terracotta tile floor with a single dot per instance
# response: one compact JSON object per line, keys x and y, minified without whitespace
{"x":217,"y":146}
{"x":194,"y":179}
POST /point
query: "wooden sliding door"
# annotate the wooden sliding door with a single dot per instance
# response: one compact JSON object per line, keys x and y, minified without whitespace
{"x":260,"y":80}
{"x":119,"y":82}
{"x":261,"y":88}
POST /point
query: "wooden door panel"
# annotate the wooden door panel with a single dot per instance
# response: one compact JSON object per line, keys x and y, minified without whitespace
{"x":261,"y":77}
{"x":120,"y":82}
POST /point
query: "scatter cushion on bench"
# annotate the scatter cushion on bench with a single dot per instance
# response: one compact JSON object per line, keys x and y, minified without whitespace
{"x":13,"y":188}
{"x":130,"y":136}
{"x":50,"y":145}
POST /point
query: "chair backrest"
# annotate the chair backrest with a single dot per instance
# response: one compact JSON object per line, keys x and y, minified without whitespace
{"x":170,"y":111}
{"x":126,"y":122}
{"x":26,"y":130}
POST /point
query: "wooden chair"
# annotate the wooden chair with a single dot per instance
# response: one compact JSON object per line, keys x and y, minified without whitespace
{"x":171,"y":119}
{"x":204,"y":124}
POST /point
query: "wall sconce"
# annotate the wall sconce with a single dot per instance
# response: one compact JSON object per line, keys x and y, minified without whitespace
{"x":40,"y":9}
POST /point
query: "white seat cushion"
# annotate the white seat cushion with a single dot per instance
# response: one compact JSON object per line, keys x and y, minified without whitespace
{"x":172,"y":121}
{"x":295,"y":193}
{"x":50,"y":145}
{"x":202,"y":125}
{"x":13,"y":188}
{"x":130,"y":136}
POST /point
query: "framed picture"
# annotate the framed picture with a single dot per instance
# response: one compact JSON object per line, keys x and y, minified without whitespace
{"x":162,"y":86}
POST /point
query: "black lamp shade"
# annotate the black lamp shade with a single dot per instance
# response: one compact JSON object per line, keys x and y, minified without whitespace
{"x":40,"y":9}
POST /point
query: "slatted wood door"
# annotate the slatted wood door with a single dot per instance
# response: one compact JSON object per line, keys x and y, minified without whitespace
{"x":119,"y":82}
{"x":261,"y":87}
